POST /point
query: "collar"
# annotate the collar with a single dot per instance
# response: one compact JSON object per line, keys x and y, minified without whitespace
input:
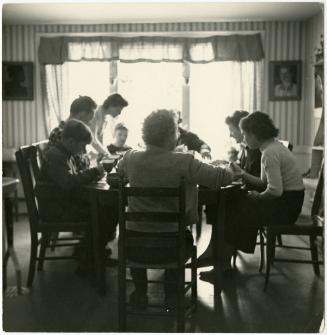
{"x":155,"y":148}
{"x":266,"y":143}
{"x":63,"y":149}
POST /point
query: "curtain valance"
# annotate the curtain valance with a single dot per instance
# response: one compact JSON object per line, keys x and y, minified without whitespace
{"x":57,"y":50}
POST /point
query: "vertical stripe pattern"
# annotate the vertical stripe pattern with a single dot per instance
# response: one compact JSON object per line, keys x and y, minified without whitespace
{"x":23,"y":121}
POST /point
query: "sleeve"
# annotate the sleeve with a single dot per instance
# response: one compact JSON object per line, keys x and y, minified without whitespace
{"x":59,"y":172}
{"x":207,"y":175}
{"x":192,"y":141}
{"x":272,"y":170}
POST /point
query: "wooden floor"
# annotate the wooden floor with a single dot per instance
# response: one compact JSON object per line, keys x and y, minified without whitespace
{"x":61,"y":301}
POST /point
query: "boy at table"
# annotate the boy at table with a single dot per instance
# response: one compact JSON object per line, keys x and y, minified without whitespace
{"x":66,"y":201}
{"x":119,"y":140}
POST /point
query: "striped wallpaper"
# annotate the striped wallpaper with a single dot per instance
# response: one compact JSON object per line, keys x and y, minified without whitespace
{"x":292,"y":40}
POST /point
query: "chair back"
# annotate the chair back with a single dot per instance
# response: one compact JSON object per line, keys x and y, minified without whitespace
{"x":317,"y":210}
{"x":126,"y":192}
{"x":29,"y":160}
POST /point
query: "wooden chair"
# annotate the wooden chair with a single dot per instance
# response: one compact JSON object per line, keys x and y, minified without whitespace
{"x":179,"y":264}
{"x":262,"y":232}
{"x":29,"y":160}
{"x":307,"y":226}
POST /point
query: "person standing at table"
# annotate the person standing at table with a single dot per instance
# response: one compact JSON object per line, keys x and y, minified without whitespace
{"x":105,"y":120}
{"x":157,"y":166}
{"x":119,"y":141}
{"x":82,"y":109}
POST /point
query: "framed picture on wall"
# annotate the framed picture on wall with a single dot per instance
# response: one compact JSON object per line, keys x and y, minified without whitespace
{"x":284,"y":80}
{"x":17,"y":81}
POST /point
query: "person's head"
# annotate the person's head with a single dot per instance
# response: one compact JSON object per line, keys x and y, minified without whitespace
{"x":233,"y":123}
{"x":257,"y":128}
{"x":83,"y":109}
{"x":160,"y":129}
{"x":75,"y":136}
{"x":120,"y":134}
{"x":114,"y":104}
{"x":285,"y":74}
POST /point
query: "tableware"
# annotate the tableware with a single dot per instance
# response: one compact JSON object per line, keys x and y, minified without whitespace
{"x":108,"y":164}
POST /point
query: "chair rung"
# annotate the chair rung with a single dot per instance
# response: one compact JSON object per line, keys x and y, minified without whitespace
{"x":288,"y":260}
{"x":187,"y":287}
{"x":292,"y":247}
{"x":53,"y":258}
{"x":160,"y":281}
{"x":62,"y":245}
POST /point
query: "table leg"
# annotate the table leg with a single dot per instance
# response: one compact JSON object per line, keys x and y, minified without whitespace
{"x":10,"y":245}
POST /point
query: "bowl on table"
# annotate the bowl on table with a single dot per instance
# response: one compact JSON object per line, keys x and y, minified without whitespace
{"x":108,"y":164}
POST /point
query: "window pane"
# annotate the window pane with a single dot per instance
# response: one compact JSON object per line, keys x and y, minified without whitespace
{"x":147,"y":87}
{"x":88,"y":78}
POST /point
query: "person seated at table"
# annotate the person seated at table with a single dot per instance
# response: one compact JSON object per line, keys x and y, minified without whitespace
{"x":105,"y":120}
{"x":191,"y":141}
{"x":160,"y":166}
{"x":82,"y":109}
{"x":281,"y":199}
{"x":65,"y":199}
{"x":119,"y":140}
{"x":249,"y":160}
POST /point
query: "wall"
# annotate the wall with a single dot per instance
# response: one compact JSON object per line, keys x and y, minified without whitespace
{"x":23,"y":121}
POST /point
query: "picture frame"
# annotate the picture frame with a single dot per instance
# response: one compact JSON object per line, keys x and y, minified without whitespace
{"x":17,"y":81}
{"x":285,"y":80}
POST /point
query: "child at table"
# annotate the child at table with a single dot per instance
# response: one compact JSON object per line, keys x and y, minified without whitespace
{"x":120,"y":137}
{"x":62,"y":197}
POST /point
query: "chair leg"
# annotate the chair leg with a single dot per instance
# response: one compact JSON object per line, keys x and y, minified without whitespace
{"x":181,"y":302}
{"x":194,"y":280}
{"x":314,"y":255}
{"x":199,"y":222}
{"x":279,"y":240}
{"x":4,"y":270}
{"x":234,"y":258}
{"x":122,"y":298}
{"x":43,"y":248}
{"x":53,"y":240}
{"x":271,"y":238}
{"x":31,"y":270}
{"x":262,"y":251}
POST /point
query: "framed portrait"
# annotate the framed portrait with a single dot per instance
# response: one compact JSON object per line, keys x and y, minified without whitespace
{"x":17,"y":81}
{"x":284,"y":80}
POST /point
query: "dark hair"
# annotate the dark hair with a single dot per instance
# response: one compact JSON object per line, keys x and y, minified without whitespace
{"x":159,"y":126}
{"x":235,"y":119}
{"x":115,"y":100}
{"x":77,"y":130}
{"x":82,"y":104}
{"x":120,"y":126}
{"x":259,"y":124}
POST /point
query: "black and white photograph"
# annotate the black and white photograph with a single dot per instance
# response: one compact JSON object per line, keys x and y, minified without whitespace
{"x":17,"y":81}
{"x":163,"y":167}
{"x":285,"y":80}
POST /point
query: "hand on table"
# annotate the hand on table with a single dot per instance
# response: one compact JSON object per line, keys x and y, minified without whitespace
{"x":236,"y":170}
{"x":205,"y":154}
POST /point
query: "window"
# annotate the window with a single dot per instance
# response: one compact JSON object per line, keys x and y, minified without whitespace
{"x":147,"y":87}
{"x":216,"y":91}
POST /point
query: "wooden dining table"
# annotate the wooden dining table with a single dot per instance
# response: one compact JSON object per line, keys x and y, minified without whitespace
{"x":101,"y":191}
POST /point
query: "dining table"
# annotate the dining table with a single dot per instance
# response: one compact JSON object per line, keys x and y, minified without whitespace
{"x":106,"y":194}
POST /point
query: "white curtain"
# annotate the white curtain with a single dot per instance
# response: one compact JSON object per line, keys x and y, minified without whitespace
{"x":218,"y":89}
{"x":56,"y":90}
{"x":64,"y":83}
